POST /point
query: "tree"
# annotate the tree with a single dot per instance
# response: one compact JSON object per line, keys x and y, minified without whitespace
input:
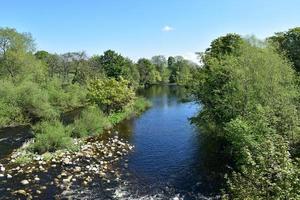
{"x":288,"y":43}
{"x":112,"y":63}
{"x":225,"y":45}
{"x":250,"y":99}
{"x":15,"y":49}
{"x":52,"y":61}
{"x":148,"y":74}
{"x":109,"y":94}
{"x":183,"y":73}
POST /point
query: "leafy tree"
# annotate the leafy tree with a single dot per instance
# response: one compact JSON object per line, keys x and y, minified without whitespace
{"x":225,"y":45}
{"x":147,"y":71}
{"x":289,"y":43}
{"x":249,"y":98}
{"x":15,"y":49}
{"x":160,"y":63}
{"x":112,"y":63}
{"x":109,"y":94}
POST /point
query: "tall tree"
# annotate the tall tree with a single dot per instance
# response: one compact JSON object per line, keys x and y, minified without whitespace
{"x":14,"y":51}
{"x":147,"y":71}
{"x":289,"y":43}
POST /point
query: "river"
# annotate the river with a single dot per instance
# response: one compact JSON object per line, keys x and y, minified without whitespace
{"x":171,"y":158}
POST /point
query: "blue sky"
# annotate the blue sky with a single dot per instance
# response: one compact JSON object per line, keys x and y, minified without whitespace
{"x":142,"y":28}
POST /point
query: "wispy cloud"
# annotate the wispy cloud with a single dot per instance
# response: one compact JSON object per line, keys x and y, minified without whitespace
{"x":167,"y":28}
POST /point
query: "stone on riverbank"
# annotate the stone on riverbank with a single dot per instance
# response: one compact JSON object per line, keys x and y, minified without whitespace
{"x":24,"y":182}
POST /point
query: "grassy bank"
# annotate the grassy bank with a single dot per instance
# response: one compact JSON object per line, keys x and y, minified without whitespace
{"x":53,"y":138}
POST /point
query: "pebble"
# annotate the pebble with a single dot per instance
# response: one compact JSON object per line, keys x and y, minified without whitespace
{"x":22,"y":192}
{"x":77,"y":169}
{"x":2,"y":169}
{"x":9,"y":176}
{"x":24,"y":182}
{"x":43,"y":188}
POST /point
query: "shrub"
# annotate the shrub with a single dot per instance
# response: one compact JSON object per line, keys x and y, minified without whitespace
{"x":110,"y":95}
{"x":34,"y":101}
{"x":67,"y":97}
{"x":267,"y":173}
{"x":138,"y":106}
{"x":51,"y":136}
{"x":91,"y":121}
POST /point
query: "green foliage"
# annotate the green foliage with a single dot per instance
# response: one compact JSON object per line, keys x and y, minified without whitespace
{"x":147,"y":72}
{"x":225,"y":45}
{"x":288,"y":43}
{"x":91,"y":121}
{"x":51,"y":136}
{"x":249,"y":97}
{"x":235,"y":85}
{"x":139,"y":105}
{"x":267,"y":173}
{"x":15,"y":53}
{"x":110,"y":95}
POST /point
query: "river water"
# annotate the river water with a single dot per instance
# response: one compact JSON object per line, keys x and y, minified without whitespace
{"x":171,"y":158}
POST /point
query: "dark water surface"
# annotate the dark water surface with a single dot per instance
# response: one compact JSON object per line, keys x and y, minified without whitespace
{"x":171,"y":158}
{"x":12,"y":138}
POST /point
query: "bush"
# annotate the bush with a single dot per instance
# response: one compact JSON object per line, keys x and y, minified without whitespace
{"x":138,"y":106}
{"x":51,"y":136}
{"x":110,"y":95}
{"x":267,"y":173}
{"x":91,"y":121}
{"x":65,"y":98}
{"x":34,"y":101}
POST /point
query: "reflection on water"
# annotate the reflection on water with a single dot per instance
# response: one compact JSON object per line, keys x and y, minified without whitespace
{"x":170,"y":156}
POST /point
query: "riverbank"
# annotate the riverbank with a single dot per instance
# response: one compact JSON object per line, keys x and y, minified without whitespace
{"x":88,"y":124}
{"x":64,"y":170}
{"x":22,"y":172}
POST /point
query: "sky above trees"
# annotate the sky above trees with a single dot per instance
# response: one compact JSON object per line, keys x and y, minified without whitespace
{"x":144,"y":28}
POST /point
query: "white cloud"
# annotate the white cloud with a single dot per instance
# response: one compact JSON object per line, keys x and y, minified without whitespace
{"x":192,"y":57}
{"x":167,"y":28}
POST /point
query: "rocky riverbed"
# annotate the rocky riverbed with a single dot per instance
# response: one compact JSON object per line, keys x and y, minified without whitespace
{"x":64,"y":174}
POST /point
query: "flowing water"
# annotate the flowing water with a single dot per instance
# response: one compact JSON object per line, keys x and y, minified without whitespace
{"x":171,"y":158}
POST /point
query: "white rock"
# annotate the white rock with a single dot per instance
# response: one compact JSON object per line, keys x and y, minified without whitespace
{"x":24,"y":182}
{"x":2,"y":169}
{"x":66,"y":161}
{"x":9,"y":176}
{"x":77,"y":169}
